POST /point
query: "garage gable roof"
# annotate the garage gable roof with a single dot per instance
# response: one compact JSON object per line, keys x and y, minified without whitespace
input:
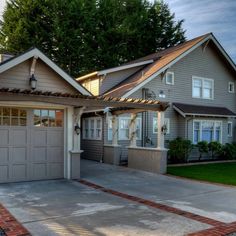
{"x":34,"y":52}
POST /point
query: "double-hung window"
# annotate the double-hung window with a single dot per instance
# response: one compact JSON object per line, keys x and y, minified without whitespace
{"x":92,"y":128}
{"x":123,"y":128}
{"x":207,"y":130}
{"x":202,"y":88}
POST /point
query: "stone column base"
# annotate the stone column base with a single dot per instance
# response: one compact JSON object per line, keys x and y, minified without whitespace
{"x":148,"y":159}
{"x":112,"y":154}
{"x":75,"y":164}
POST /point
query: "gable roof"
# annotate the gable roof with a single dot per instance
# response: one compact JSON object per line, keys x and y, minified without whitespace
{"x":34,"y":52}
{"x":161,"y":62}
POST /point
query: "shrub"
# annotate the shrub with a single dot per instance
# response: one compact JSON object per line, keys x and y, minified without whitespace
{"x":202,"y":148}
{"x":215,"y":148}
{"x":229,"y":151}
{"x":179,"y":150}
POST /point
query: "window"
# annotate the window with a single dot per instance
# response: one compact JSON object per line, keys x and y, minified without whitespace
{"x":231,"y":87}
{"x":202,"y":88}
{"x":207,"y":130}
{"x":48,"y":118}
{"x":230,"y":129}
{"x":92,"y":128}
{"x":155,"y":126}
{"x":123,"y":128}
{"x":13,"y":116}
{"x":170,"y":78}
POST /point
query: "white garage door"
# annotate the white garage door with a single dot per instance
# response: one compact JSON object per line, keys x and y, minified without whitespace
{"x":31,"y":144}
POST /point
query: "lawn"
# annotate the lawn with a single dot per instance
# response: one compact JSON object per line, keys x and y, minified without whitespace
{"x":224,"y":173}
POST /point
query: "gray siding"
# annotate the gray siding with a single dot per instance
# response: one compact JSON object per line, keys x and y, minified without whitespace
{"x":48,"y":80}
{"x":112,"y":79}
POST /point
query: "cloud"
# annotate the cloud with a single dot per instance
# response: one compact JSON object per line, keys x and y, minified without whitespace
{"x":205,"y":16}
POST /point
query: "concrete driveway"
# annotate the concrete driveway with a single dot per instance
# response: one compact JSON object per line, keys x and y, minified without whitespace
{"x":209,"y":200}
{"x":70,"y":208}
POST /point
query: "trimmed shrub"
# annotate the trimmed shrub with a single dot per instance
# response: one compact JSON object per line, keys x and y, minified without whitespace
{"x":229,"y":151}
{"x":179,"y":150}
{"x":215,"y":148}
{"x":202,"y":148}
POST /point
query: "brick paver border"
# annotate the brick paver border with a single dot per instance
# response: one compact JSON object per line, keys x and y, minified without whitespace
{"x":219,"y":229}
{"x":10,"y":225}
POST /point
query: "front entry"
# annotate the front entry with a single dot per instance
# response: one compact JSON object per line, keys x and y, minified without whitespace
{"x":31,"y":144}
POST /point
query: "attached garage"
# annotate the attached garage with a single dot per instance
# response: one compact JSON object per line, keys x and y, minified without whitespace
{"x":31,"y":144}
{"x":36,"y":135}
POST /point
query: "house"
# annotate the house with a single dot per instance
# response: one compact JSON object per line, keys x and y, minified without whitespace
{"x":197,"y":79}
{"x":40,"y":116}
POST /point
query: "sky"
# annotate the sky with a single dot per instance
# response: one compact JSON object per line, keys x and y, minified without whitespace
{"x":204,"y":16}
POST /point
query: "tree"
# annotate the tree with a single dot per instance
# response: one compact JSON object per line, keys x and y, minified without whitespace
{"x":82,"y":36}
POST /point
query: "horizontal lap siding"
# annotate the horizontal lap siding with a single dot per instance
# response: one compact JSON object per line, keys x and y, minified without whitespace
{"x":48,"y":80}
{"x":112,"y":79}
{"x":93,"y":149}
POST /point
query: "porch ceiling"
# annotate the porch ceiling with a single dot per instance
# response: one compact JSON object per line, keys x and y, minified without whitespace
{"x":77,"y":100}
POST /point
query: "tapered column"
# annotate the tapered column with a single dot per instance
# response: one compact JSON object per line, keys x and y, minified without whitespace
{"x":114,"y":130}
{"x":160,"y":134}
{"x":132,"y":130}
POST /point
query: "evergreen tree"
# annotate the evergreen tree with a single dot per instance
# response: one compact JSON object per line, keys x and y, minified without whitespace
{"x":82,"y":36}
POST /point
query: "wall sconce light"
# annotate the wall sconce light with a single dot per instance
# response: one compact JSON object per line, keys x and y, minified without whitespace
{"x":77,"y":129}
{"x":164,"y":129}
{"x":33,"y":82}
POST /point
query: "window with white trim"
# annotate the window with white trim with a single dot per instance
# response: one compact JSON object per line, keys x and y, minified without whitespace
{"x":170,"y":78}
{"x":207,"y":130}
{"x":230,"y":129}
{"x":92,"y":128}
{"x":123,"y":128}
{"x":231,"y":87}
{"x":155,"y":125}
{"x":202,"y":88}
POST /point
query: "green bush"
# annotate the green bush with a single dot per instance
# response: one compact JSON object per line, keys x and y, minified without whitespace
{"x":215,"y":148}
{"x":202,"y":148}
{"x":229,"y":151}
{"x":179,"y":150}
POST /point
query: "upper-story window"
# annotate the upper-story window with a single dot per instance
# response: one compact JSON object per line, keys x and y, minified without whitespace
{"x":202,"y":88}
{"x":231,"y":87}
{"x":170,"y":78}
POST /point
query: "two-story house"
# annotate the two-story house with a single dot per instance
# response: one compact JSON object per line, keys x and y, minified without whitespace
{"x":197,"y":78}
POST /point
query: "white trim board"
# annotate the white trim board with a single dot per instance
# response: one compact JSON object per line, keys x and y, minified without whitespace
{"x":38,"y":54}
{"x":166,"y":67}
{"x":124,"y":67}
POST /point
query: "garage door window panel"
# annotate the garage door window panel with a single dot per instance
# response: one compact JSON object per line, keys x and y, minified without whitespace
{"x":13,"y":117}
{"x":48,"y":118}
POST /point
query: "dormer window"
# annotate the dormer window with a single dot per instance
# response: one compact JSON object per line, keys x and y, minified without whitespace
{"x":231,"y":87}
{"x":170,"y":78}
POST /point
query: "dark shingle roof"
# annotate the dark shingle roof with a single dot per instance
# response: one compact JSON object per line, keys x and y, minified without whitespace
{"x":188,"y":109}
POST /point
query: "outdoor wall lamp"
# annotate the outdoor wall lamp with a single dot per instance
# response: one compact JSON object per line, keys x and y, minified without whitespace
{"x":33,"y":82}
{"x":164,"y":129}
{"x":77,"y":129}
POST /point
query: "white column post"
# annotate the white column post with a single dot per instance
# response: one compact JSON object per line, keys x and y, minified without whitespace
{"x":114,"y":130}
{"x":132,"y":130}
{"x":77,"y":121}
{"x":160,"y":135}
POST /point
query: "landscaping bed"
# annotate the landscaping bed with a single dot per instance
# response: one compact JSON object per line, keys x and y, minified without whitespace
{"x":224,"y":173}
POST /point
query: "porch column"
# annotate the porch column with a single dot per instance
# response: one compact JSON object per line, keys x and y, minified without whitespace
{"x":160,"y":134}
{"x":132,"y":130}
{"x":114,"y":130}
{"x":76,"y":150}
